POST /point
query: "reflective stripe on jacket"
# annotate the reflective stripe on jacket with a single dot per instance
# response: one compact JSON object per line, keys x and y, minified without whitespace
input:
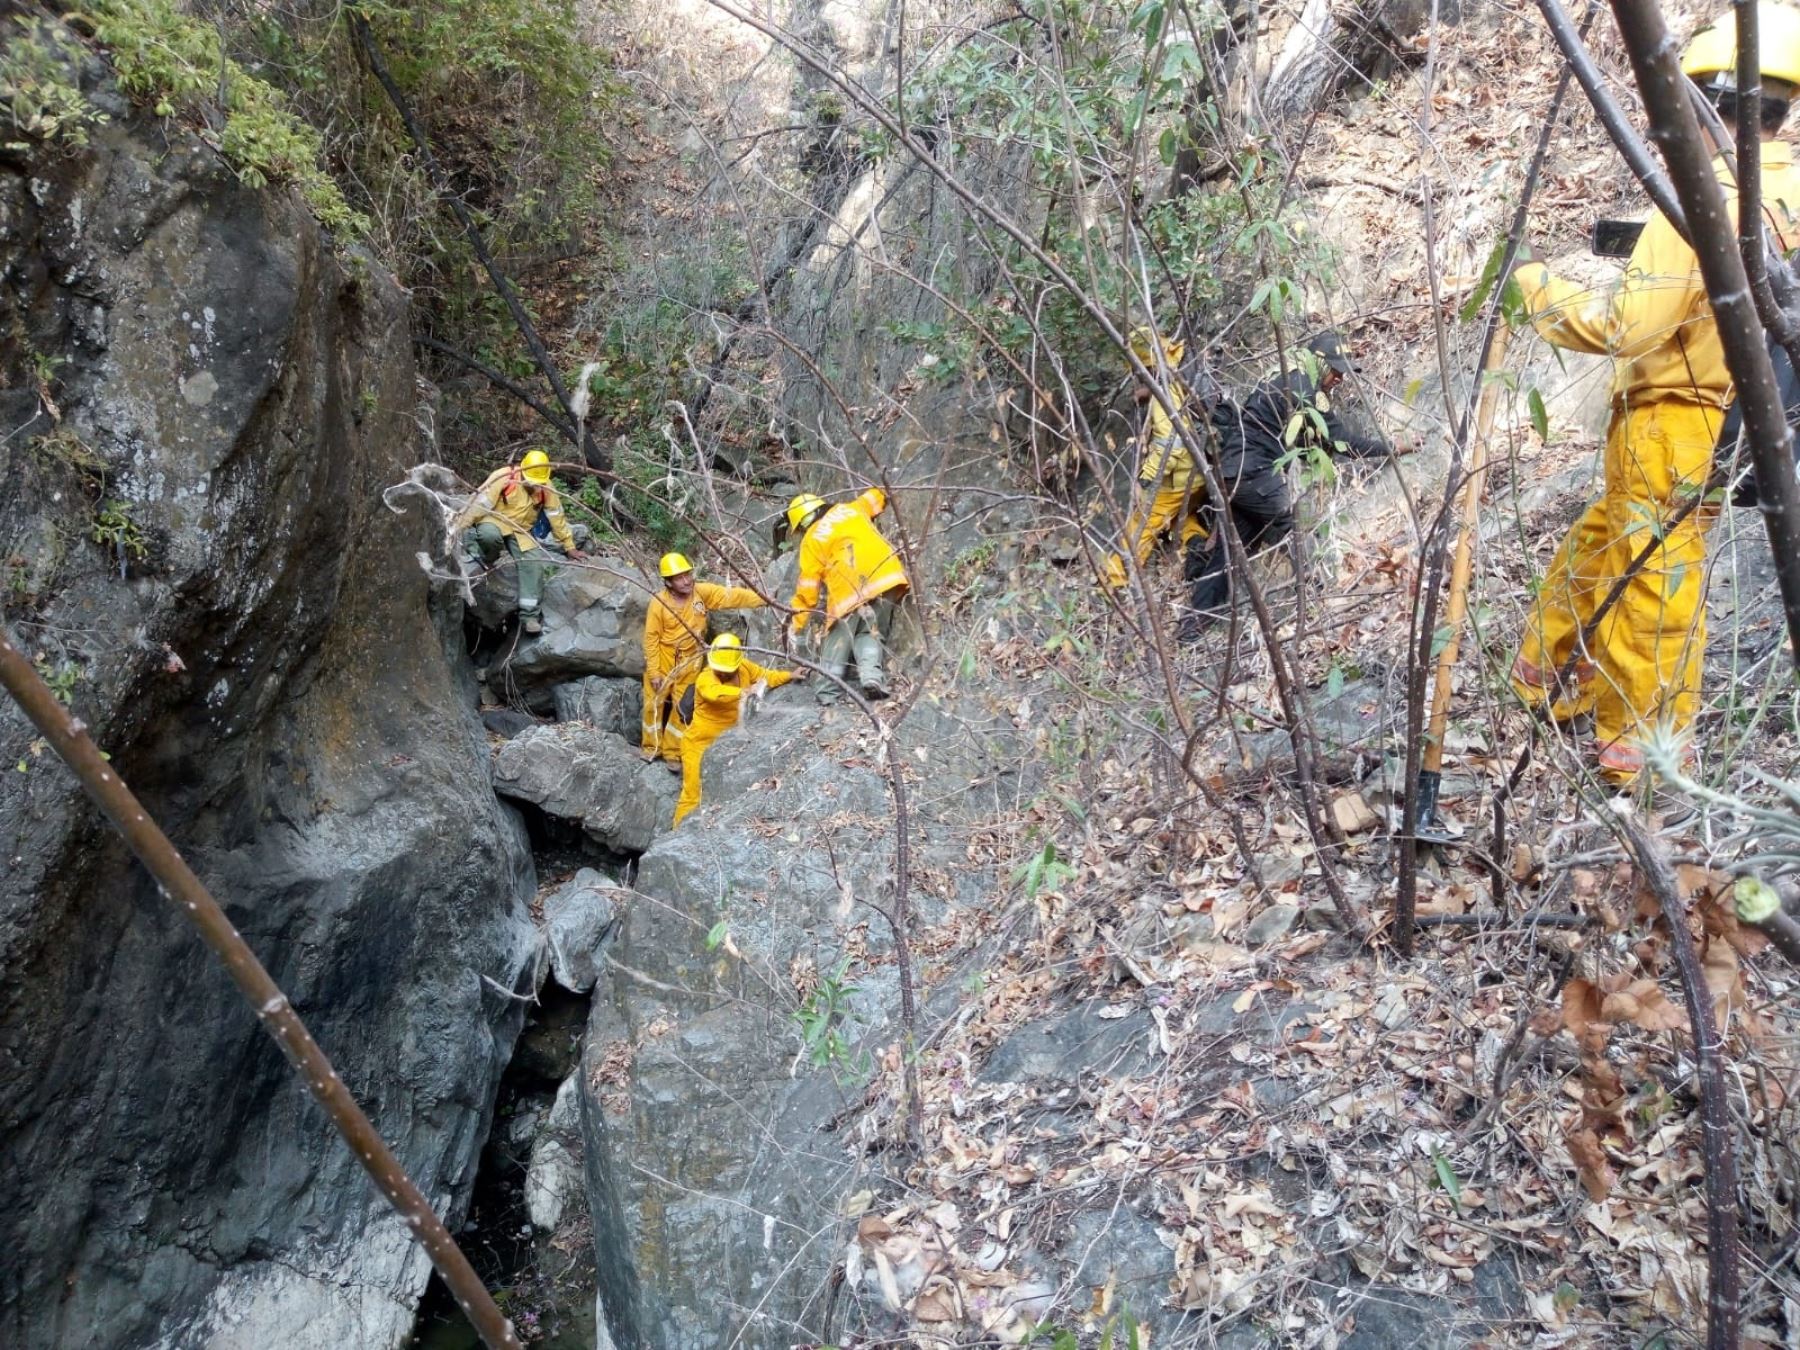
{"x":845,"y":555}
{"x":508,"y":501}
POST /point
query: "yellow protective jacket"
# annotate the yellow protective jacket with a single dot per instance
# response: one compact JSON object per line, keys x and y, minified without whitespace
{"x":1657,"y":323}
{"x":718,"y":702}
{"x":508,"y":501}
{"x":845,"y":554}
{"x":717,"y":705}
{"x":1166,"y":461}
{"x":675,"y":630}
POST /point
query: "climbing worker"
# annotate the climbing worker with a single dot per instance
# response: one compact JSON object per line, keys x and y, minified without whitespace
{"x":674,"y":633}
{"x":1671,"y":388}
{"x":717,"y":697}
{"x":1170,"y":485}
{"x":842,"y":553}
{"x":515,"y":510}
{"x":1256,"y":437}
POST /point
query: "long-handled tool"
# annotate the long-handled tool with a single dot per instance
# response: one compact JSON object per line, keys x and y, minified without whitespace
{"x":1430,"y":828}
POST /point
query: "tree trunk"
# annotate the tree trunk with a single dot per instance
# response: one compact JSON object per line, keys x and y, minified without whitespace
{"x":1334,"y":43}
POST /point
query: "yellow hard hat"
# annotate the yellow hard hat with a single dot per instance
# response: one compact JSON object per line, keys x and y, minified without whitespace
{"x":674,"y":564}
{"x":1144,"y":343}
{"x":726,"y":653}
{"x":801,"y":507}
{"x":536,"y":467}
{"x":1713,"y":50}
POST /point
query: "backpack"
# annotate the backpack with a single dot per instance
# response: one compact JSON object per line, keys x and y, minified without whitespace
{"x":1731,"y":448}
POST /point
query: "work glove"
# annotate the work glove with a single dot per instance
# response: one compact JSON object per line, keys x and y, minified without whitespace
{"x":758,"y":689}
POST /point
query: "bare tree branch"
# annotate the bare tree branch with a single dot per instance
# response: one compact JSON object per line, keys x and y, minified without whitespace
{"x":499,"y":381}
{"x":595,"y":454}
{"x":1715,"y":1110}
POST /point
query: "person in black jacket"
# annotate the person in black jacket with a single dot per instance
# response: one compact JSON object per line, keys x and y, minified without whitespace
{"x":1256,"y":437}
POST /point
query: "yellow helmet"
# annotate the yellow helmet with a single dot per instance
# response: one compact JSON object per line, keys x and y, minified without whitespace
{"x":536,"y":467}
{"x":1144,"y":342}
{"x":802,"y":507}
{"x":673,"y":565}
{"x":726,"y":653}
{"x":1713,"y":50}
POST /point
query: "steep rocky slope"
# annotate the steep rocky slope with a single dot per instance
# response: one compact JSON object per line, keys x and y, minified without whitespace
{"x":1156,"y":1084}
{"x":203,"y":401}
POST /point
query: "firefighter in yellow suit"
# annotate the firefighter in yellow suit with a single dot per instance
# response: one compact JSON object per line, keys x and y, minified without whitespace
{"x":510,"y":512}
{"x":1170,"y":484}
{"x":674,"y":632}
{"x":846,"y":561}
{"x":719,"y":692}
{"x":1670,"y":392}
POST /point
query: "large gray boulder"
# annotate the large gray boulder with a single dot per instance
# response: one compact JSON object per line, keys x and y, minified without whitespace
{"x":270,"y":675}
{"x":710,"y":1185}
{"x":593,"y":617}
{"x":553,"y":1180}
{"x":615,"y":705}
{"x":594,"y":777}
{"x":577,"y":917}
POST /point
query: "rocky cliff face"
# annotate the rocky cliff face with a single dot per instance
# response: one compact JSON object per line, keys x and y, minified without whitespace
{"x":203,"y":399}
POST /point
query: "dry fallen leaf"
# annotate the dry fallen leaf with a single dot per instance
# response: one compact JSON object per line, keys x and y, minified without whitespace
{"x":1644,"y":1003}
{"x":1591,"y":1165}
{"x":1580,"y":1005}
{"x":1723,"y":980}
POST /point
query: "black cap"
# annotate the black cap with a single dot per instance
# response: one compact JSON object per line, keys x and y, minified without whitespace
{"x":1328,"y":346}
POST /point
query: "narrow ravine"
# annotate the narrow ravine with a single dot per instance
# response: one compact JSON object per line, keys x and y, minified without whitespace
{"x":544,"y":1279}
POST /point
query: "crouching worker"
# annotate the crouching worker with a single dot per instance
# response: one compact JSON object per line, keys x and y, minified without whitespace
{"x":717,"y":702}
{"x":843,"y":555}
{"x":514,"y":511}
{"x":1281,"y":417}
{"x":674,"y":636}
{"x":1170,"y":486}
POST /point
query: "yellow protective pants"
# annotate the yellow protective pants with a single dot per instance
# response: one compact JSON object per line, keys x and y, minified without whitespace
{"x":1149,"y":520}
{"x":1642,"y":670}
{"x":693,"y":750}
{"x":663,"y":728}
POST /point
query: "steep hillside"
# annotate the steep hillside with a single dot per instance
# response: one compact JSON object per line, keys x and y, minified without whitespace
{"x":1055,"y":998}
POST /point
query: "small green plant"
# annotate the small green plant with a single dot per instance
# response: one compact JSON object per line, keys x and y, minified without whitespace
{"x":1121,"y":1332}
{"x":1043,"y":871}
{"x":63,"y":449}
{"x":44,"y":365}
{"x":821,"y":1019}
{"x":61,"y":678}
{"x":968,"y":567}
{"x":948,"y":349}
{"x":115,"y":528}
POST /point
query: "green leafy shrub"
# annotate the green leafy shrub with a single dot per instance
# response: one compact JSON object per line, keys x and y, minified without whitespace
{"x":40,"y":94}
{"x":175,"y":63}
{"x":1124,"y":88}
